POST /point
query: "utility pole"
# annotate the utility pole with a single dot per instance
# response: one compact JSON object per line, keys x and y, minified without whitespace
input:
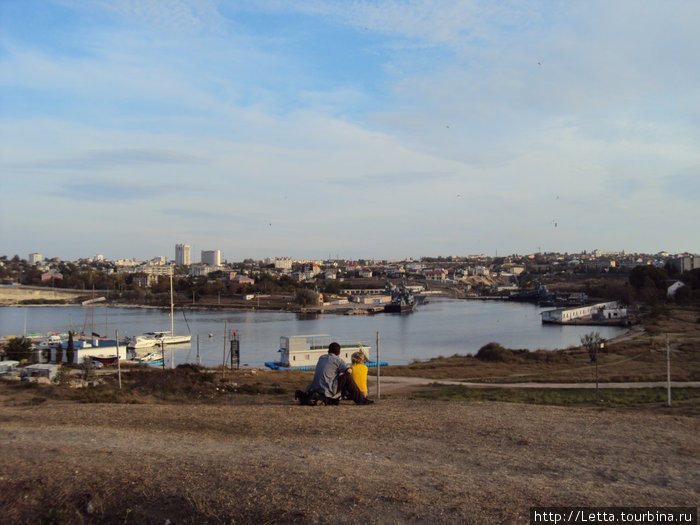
{"x":379,"y":390}
{"x":223,"y":362}
{"x":119,"y":367}
{"x":597,"y":394}
{"x":668,"y":371}
{"x":199,"y":361}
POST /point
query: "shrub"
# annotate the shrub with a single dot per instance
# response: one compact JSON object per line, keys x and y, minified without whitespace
{"x":19,"y":348}
{"x":63,"y":376}
{"x":87,"y":368}
{"x":494,"y":352}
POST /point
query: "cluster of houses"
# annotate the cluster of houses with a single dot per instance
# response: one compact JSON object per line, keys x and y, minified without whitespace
{"x":448,"y":270}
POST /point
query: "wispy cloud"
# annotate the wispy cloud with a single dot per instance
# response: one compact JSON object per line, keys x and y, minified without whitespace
{"x":111,"y":159}
{"x":90,"y":191}
{"x":390,"y":179}
{"x":182,"y":16}
{"x":196,"y":214}
{"x":685,"y":186}
{"x":258,"y":112}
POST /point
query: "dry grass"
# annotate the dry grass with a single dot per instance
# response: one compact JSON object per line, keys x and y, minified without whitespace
{"x":398,"y":461}
{"x":638,"y":357}
{"x":189,"y":446}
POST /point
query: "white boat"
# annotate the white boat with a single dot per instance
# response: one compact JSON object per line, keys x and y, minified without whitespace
{"x":169,"y":339}
{"x":151,"y":339}
{"x":151,"y":357}
{"x":139,"y":342}
{"x":302,"y":352}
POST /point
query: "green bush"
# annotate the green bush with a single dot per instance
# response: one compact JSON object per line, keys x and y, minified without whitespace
{"x":494,"y":352}
{"x":19,"y":348}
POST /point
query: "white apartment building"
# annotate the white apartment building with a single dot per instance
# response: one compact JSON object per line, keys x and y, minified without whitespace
{"x":182,"y":254}
{"x":283,"y":263}
{"x":126,"y":263}
{"x":211,"y":257}
{"x":35,"y":258}
{"x":200,"y":269}
{"x":154,"y":269}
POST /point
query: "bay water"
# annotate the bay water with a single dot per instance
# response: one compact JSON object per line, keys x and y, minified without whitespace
{"x":443,"y":327}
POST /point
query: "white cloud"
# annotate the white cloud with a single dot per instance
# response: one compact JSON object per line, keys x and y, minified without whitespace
{"x":483,"y":123}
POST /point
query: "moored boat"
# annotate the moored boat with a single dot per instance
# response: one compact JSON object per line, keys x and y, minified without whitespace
{"x":169,"y":339}
{"x":152,"y":358}
{"x":301,"y":352}
{"x":402,"y":300}
{"x":105,"y":359}
{"x":151,"y":339}
{"x":137,"y":342}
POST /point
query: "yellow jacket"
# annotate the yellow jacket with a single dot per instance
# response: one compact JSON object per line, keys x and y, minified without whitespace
{"x":359,"y":374}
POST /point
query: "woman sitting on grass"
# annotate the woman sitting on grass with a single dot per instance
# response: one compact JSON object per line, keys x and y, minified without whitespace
{"x":359,"y":371}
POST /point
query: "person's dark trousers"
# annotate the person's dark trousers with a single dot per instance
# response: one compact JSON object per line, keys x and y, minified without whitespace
{"x":346,"y":384}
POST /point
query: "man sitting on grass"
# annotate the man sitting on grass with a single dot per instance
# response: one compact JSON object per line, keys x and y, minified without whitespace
{"x":332,"y":379}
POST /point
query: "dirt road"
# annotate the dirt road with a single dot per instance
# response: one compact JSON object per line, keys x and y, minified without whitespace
{"x":397,"y":461}
{"x":395,"y":384}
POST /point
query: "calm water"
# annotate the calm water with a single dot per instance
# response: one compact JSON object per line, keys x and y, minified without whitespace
{"x":442,"y":327}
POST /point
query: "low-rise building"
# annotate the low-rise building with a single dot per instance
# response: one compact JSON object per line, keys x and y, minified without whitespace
{"x":437,"y":274}
{"x":51,"y":275}
{"x":610,"y":310}
{"x":46,"y":370}
{"x":242,"y":279}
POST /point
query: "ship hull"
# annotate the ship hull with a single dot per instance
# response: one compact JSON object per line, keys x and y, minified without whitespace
{"x":398,"y":308}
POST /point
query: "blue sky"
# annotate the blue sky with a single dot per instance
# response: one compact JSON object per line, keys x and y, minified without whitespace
{"x":354,"y":129}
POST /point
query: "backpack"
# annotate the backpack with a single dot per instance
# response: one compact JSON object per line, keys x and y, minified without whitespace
{"x":313,"y":398}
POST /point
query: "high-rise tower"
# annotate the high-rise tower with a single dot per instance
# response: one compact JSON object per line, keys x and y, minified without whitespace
{"x":211,"y":257}
{"x":182,"y":254}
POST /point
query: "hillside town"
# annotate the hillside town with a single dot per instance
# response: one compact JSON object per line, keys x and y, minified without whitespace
{"x":128,"y":280}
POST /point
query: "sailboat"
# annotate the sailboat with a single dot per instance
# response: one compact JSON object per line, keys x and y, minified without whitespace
{"x":151,"y":339}
{"x":170,"y":338}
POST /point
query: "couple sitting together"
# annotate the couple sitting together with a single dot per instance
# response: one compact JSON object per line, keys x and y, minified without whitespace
{"x":334,"y":378}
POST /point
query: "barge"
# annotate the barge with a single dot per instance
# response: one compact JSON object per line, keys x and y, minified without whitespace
{"x":301,"y":352}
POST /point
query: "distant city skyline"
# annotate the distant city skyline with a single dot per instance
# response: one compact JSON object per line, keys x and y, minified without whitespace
{"x":387,"y":130}
{"x":215,"y":258}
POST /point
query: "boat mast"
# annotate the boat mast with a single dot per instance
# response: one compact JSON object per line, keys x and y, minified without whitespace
{"x":172,"y":318}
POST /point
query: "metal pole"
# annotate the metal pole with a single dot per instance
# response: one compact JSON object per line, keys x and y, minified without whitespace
{"x":119,"y":367}
{"x":162,"y":353}
{"x":199,"y":361}
{"x":223,"y":362}
{"x":379,"y":390}
{"x":597,"y":393}
{"x":668,"y":371}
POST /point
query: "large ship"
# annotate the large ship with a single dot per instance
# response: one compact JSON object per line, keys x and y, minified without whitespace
{"x":402,"y":300}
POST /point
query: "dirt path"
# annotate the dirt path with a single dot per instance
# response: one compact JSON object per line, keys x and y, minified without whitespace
{"x":393,"y":462}
{"x":396,"y":384}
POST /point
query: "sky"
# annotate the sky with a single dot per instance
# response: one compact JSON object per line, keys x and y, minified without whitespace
{"x":348,"y":129}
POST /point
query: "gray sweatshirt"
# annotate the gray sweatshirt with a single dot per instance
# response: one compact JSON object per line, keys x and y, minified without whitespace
{"x":326,"y":375}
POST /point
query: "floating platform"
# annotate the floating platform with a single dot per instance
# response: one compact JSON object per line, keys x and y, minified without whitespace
{"x":276,"y":365}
